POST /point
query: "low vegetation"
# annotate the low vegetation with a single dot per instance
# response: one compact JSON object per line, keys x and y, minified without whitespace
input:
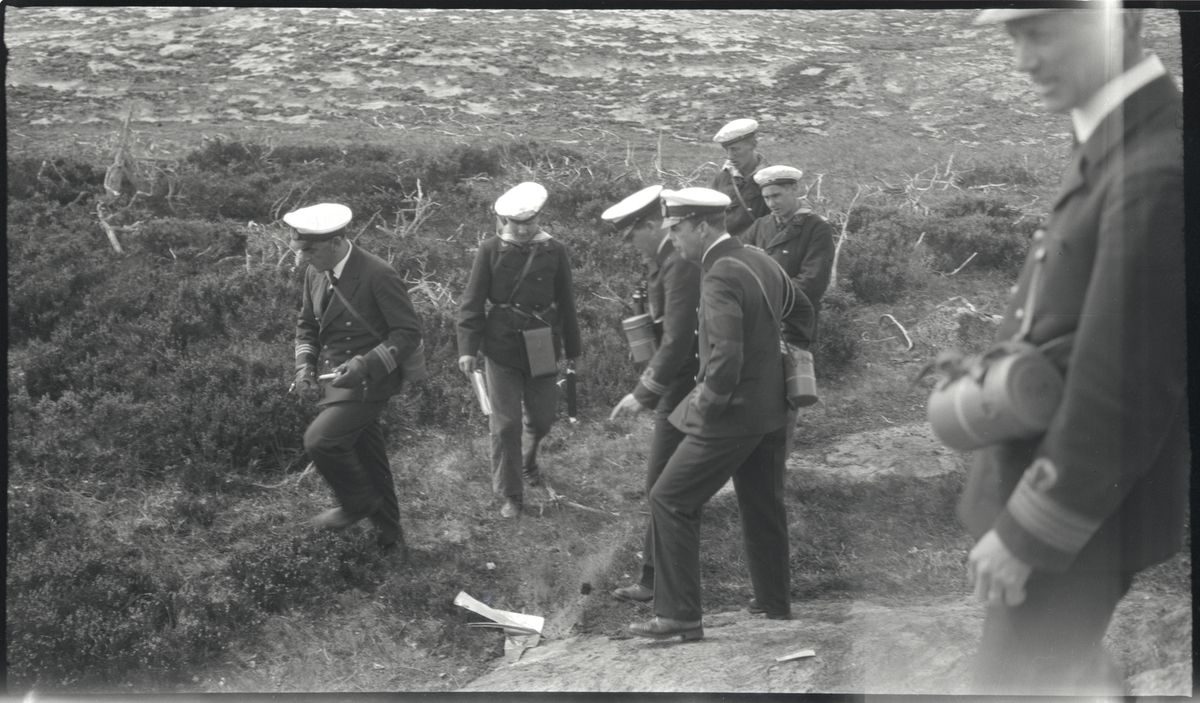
{"x":157,"y":489}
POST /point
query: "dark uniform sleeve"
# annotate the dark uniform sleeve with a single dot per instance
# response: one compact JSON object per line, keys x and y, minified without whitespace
{"x":1127,"y":376}
{"x":308,"y":328}
{"x":564,"y":297}
{"x":404,"y":332}
{"x":472,"y":312}
{"x":815,"y":269}
{"x":681,"y":280}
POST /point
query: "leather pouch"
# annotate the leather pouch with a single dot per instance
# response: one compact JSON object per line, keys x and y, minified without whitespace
{"x":539,"y":351}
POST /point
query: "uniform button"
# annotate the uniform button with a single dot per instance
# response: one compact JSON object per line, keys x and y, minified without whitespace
{"x":347,"y":324}
{"x":1039,"y":235}
{"x":1013,"y":290}
{"x":1040,"y":253}
{"x":1019,"y":313}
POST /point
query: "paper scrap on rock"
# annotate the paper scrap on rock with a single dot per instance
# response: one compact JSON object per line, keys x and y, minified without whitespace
{"x":516,"y":641}
{"x":796,"y":655}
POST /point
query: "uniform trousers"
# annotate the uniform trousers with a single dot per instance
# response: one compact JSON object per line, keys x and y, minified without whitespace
{"x":695,"y":472}
{"x":523,"y":409}
{"x":346,"y":443}
{"x":662,"y":445}
{"x":1051,"y":642}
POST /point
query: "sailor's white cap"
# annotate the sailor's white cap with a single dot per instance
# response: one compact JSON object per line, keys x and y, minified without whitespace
{"x":777,"y":175}
{"x":522,"y":201}
{"x":317,"y":223}
{"x":678,"y":205}
{"x":633,"y":209}
{"x":736,"y":131}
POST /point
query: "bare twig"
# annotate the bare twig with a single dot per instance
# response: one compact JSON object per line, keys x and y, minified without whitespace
{"x":108,"y":229}
{"x":960,"y":268}
{"x":900,"y":327}
{"x":837,"y":250}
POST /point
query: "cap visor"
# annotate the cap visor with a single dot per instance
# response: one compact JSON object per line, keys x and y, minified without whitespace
{"x":668,"y":222}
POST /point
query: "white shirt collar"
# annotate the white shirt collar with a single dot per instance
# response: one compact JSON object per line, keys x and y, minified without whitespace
{"x":541,"y":236}
{"x":337,"y":270}
{"x":1087,"y":117}
{"x":720,"y":239}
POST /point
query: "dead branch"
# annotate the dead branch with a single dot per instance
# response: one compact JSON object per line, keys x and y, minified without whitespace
{"x":900,"y":327}
{"x":837,"y":250}
{"x":108,"y":228}
{"x":960,"y":268}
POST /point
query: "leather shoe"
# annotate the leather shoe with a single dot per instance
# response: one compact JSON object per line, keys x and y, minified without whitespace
{"x":756,"y":609}
{"x":336,"y":519}
{"x":637,"y":592}
{"x":533,"y":476}
{"x":396,"y":552}
{"x":511,"y":509}
{"x":665,"y":628}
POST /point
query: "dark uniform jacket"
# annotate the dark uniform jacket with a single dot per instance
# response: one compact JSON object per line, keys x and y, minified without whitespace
{"x":747,"y":201}
{"x":673,"y":288}
{"x":378,"y":293}
{"x":804,"y":248}
{"x":546,"y":296}
{"x":740,"y":390}
{"x":1106,"y":488}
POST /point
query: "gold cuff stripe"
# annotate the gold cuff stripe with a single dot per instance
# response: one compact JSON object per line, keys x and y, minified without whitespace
{"x":1054,"y":524}
{"x":306,"y":349}
{"x":385,"y":355}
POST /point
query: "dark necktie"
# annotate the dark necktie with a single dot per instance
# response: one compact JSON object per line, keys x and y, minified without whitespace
{"x":332,"y":280}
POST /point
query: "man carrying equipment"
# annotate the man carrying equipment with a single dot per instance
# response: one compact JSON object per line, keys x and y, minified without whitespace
{"x":673,"y":289}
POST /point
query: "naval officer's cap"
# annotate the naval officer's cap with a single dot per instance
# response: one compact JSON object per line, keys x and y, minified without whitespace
{"x":634,"y":209}
{"x":678,"y":205}
{"x":997,"y":16}
{"x":521,"y":202}
{"x":777,"y":176}
{"x":318,"y":223}
{"x":736,"y":131}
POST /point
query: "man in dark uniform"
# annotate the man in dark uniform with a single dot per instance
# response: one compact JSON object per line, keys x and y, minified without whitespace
{"x":525,"y":276}
{"x":1066,"y":520}
{"x":736,"y":177}
{"x":734,"y":421}
{"x":673,"y":289}
{"x":802,"y":242}
{"x":363,"y":332}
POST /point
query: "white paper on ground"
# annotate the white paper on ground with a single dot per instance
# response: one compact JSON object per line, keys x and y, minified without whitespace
{"x":514,"y":644}
{"x":796,"y":655}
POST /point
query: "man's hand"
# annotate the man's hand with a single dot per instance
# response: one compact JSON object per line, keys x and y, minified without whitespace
{"x":466,"y":364}
{"x":998,"y":576}
{"x":352,"y":374}
{"x":306,"y":385}
{"x":628,"y":405}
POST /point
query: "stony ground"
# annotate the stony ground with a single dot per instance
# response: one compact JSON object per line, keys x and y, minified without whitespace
{"x":644,"y":80}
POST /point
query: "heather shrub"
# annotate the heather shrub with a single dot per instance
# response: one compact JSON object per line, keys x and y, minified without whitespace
{"x":55,"y":256}
{"x":837,"y":336}
{"x":62,"y":180}
{"x":996,"y":174}
{"x":307,"y":568}
{"x":882,"y":262}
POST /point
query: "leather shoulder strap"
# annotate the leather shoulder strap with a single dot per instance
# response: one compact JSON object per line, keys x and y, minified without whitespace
{"x":346,"y":302}
{"x":528,"y":262}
